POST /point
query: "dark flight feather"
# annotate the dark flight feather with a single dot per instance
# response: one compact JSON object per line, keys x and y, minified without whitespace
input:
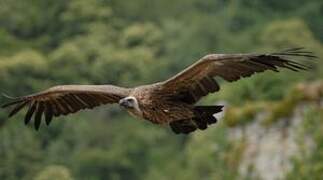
{"x":30,"y":112}
{"x":38,"y":116}
{"x":48,"y":113}
{"x":18,"y":108}
{"x":11,"y":103}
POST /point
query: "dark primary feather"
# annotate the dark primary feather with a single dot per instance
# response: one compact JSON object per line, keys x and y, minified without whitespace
{"x":299,"y":51}
{"x":48,"y":113}
{"x":18,"y":108}
{"x":39,"y":112}
{"x":30,"y":112}
{"x":11,"y":103}
{"x":64,"y":100}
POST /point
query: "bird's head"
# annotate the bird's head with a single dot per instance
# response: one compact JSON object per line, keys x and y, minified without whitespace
{"x":129,"y":103}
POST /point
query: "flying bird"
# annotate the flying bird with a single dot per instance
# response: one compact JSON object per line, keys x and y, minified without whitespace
{"x":171,"y":102}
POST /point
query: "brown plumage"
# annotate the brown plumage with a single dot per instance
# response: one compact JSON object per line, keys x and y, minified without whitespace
{"x":168,"y":102}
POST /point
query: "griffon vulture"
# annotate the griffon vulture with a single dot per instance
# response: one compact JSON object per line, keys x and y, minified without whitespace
{"x":169,"y":102}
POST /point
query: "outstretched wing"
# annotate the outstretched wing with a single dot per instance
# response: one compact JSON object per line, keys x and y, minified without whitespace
{"x":198,"y":80}
{"x":66,"y":99}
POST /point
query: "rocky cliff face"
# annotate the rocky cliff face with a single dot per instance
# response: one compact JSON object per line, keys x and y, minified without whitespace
{"x":269,"y":149}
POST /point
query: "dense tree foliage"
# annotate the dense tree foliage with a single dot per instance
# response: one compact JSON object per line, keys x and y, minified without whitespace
{"x":45,"y":43}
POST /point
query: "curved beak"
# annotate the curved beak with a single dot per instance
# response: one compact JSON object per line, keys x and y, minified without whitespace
{"x":123,"y":103}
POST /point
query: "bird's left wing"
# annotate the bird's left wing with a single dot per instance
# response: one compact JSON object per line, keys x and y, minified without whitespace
{"x":64,"y":100}
{"x":198,"y":80}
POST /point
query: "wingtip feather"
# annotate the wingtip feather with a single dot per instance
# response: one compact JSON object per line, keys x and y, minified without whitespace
{"x":16,"y":100}
{"x":297,"y":51}
{"x":17,"y":108}
{"x":7,"y":96}
{"x":11,"y":103}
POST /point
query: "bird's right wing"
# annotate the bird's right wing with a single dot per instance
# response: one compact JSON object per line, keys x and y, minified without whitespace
{"x":66,"y":99}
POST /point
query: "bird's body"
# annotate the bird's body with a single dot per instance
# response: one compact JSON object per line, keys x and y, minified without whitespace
{"x":168,"y":102}
{"x":156,"y":108}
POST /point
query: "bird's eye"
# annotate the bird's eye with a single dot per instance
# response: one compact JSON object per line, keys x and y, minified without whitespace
{"x":131,"y":100}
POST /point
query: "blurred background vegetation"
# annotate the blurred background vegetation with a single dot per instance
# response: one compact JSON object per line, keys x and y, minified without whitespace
{"x":45,"y":43}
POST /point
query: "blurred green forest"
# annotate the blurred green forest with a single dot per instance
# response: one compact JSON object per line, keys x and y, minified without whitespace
{"x":45,"y":43}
